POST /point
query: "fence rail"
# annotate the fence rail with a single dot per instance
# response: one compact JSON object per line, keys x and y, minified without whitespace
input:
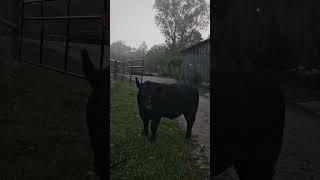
{"x":35,"y":1}
{"x":62,"y":17}
{"x":117,"y":65}
{"x":42,"y":20}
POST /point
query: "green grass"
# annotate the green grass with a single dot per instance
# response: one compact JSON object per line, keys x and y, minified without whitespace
{"x":169,"y":158}
{"x":42,"y":125}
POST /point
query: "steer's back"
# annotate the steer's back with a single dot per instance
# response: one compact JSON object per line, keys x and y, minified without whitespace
{"x":181,"y":97}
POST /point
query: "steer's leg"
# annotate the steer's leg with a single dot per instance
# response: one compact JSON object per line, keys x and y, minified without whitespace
{"x":154,"y":127}
{"x":190,"y":118}
{"x":145,"y":127}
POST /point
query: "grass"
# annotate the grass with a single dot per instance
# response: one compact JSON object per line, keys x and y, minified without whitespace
{"x":169,"y":158}
{"x":42,"y":125}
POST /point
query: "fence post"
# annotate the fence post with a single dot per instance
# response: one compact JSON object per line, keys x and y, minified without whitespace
{"x":21,"y":29}
{"x":142,"y":70}
{"x":114,"y":69}
{"x":141,"y":75}
{"x":130,"y":70}
{"x":67,"y":39}
{"x":122,"y":70}
{"x":42,"y":32}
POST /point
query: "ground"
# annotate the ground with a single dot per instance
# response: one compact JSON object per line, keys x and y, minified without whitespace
{"x":42,"y":125}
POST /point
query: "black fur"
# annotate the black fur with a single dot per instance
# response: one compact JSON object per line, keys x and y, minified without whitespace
{"x":248,"y":117}
{"x":158,"y":100}
{"x":97,"y":113}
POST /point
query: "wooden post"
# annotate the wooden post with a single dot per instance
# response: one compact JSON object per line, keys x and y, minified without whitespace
{"x":122,"y":70}
{"x":130,"y":70}
{"x":114,"y":69}
{"x":142,"y":70}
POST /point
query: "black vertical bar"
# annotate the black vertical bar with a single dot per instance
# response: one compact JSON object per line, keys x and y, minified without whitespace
{"x":66,"y":52}
{"x":42,"y":32}
{"x":21,"y":29}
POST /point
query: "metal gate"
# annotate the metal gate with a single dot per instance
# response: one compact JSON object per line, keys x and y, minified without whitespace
{"x":43,"y":18}
{"x":116,"y":66}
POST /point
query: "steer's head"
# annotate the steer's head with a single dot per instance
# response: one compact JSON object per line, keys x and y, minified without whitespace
{"x":146,"y":97}
{"x":96,"y":77}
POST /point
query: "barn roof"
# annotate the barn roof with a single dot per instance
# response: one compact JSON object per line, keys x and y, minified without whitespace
{"x":195,"y":45}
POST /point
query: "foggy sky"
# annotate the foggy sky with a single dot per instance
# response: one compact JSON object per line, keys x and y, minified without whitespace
{"x":133,"y":22}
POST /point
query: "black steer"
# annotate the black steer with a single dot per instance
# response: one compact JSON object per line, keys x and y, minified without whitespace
{"x":158,"y":100}
{"x":248,"y":115}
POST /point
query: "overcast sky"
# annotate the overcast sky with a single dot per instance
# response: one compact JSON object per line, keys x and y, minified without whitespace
{"x":133,"y":22}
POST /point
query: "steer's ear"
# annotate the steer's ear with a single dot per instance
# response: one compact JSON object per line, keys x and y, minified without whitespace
{"x":88,"y":67}
{"x":137,"y":82}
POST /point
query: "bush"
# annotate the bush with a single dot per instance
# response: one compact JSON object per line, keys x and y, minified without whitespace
{"x":165,"y":64}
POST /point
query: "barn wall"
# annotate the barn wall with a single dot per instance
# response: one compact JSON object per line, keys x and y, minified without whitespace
{"x":199,"y":58}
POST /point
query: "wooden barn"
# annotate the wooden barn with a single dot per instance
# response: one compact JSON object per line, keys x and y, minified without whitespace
{"x":196,"y":62}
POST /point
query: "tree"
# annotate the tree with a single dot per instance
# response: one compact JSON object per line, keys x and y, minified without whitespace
{"x":157,"y":49}
{"x":119,"y":50}
{"x":142,"y":50}
{"x":181,"y":21}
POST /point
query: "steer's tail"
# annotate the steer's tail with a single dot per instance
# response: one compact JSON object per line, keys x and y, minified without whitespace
{"x":197,"y":99}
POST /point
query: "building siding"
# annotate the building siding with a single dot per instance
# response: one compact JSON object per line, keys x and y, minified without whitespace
{"x":196,"y":60}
